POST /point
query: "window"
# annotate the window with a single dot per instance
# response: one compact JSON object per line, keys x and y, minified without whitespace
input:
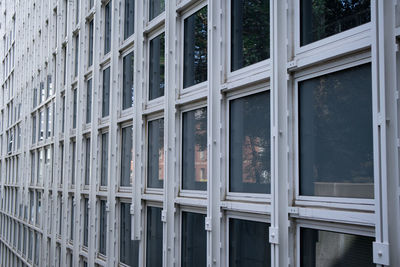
{"x":194,"y":240}
{"x":103,"y":228}
{"x":71,"y":234}
{"x":107,"y":27}
{"x":89,"y":101}
{"x":194,"y":150}
{"x":157,"y":67}
{"x":156,"y":8}
{"x":33,"y":167}
{"x":195,"y":48}
{"x":49,"y":86}
{"x":335,"y":134}
{"x":76,"y":54}
{"x":35,"y":96}
{"x":319,"y":20}
{"x":42,"y":92}
{"x":104,"y":159}
{"x":249,"y":243}
{"x":38,"y":206}
{"x":129,"y":26}
{"x":325,"y":248}
{"x":73,"y":145}
{"x":154,"y":237}
{"x":106,"y":93}
{"x":129,"y":249}
{"x":155,"y":166}
{"x":75,"y":106}
{"x":87,"y":160}
{"x":91,"y":3}
{"x":127,"y":83}
{"x":49,"y":114}
{"x":41,"y":125}
{"x":34,"y":129}
{"x":38,"y":239}
{"x":250,"y":32}
{"x":90,"y":52}
{"x":85,"y":221}
{"x":250,"y":144}
{"x":30,"y":245}
{"x":126,"y":156}
{"x":77,"y":11}
{"x":63,"y":114}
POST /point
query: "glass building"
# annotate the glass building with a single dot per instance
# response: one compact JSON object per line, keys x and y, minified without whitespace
{"x":197,"y":133}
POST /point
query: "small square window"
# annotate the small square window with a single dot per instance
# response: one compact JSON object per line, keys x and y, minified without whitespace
{"x":250,"y":32}
{"x":155,"y":166}
{"x":249,"y":243}
{"x":250,"y":144}
{"x":321,"y":19}
{"x":195,"y":48}
{"x":194,"y":240}
{"x":325,"y":248}
{"x":194,"y":149}
{"x":156,"y":8}
{"x":157,"y":67}
{"x":335,"y":134}
{"x":154,"y":237}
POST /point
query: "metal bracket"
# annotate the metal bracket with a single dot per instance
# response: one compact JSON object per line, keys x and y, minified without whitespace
{"x":132,"y":209}
{"x":164,"y":216}
{"x":291,"y":65}
{"x":293,"y":210}
{"x":207,"y":224}
{"x":381,"y":253}
{"x":273,"y":235}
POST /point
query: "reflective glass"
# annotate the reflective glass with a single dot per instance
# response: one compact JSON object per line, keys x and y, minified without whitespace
{"x":154,"y":237}
{"x":155,"y":166}
{"x":156,"y":8}
{"x":194,"y":240}
{"x":157,"y":67}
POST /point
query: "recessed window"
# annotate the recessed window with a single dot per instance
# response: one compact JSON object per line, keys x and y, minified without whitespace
{"x":90,"y":50}
{"x":35,"y":97}
{"x":250,"y":144}
{"x":250,"y":32}
{"x":103,"y":228}
{"x":194,"y":149}
{"x":71,"y":234}
{"x":155,"y":166}
{"x":107,"y":27}
{"x":195,"y":48}
{"x":154,"y":237}
{"x":104,"y":159}
{"x":129,"y":249}
{"x":106,"y":93}
{"x":34,"y":129}
{"x":85,"y":221}
{"x":335,"y":134}
{"x":73,"y":164}
{"x":129,"y":21}
{"x":126,"y":156}
{"x":325,"y":248}
{"x":75,"y":107}
{"x":76,"y":55}
{"x":87,"y":160}
{"x":127,"y":82}
{"x":156,"y":8}
{"x":89,"y":101}
{"x":157,"y":67}
{"x":194,"y":240}
{"x":319,"y":20}
{"x":249,"y":243}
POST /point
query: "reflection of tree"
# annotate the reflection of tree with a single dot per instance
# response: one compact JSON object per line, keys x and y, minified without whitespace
{"x":323,"y":18}
{"x":200,"y":49}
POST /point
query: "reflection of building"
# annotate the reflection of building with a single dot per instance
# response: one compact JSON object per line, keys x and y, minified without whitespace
{"x":254,"y":161}
{"x":161,"y":163}
{"x":200,"y":164}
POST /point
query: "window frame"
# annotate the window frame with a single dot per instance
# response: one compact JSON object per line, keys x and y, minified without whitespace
{"x":121,"y":126}
{"x":100,"y":158}
{"x":144,"y":246}
{"x":179,"y":148}
{"x":100,"y":110}
{"x":193,"y":89}
{"x":123,"y":55}
{"x":363,"y":204}
{"x":233,"y":95}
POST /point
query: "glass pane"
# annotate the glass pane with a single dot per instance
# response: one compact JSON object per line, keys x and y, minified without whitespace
{"x":107,"y":27}
{"x":89,"y":101}
{"x":156,"y":8}
{"x":249,"y":33}
{"x":86,"y":222}
{"x":249,"y":244}
{"x":329,"y":249}
{"x":194,"y":240}
{"x":129,"y":18}
{"x":76,"y":54}
{"x":90,"y":52}
{"x":194,"y":151}
{"x":126,"y":156}
{"x":320,"y":19}
{"x":155,"y":166}
{"x":127,"y":81}
{"x":73,"y":162}
{"x":104,"y":159}
{"x":250,"y":144}
{"x":157,"y":66}
{"x":103,"y":228}
{"x":129,"y":249}
{"x":87,"y":161}
{"x":195,"y":48}
{"x":75,"y":106}
{"x":335,"y":134}
{"x":154,"y":237}
{"x":106,"y":93}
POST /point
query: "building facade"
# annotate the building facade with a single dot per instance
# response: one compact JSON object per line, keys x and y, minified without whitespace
{"x":199,"y":133}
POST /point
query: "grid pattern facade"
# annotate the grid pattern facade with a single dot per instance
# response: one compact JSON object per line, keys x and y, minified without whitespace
{"x":199,"y":133}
